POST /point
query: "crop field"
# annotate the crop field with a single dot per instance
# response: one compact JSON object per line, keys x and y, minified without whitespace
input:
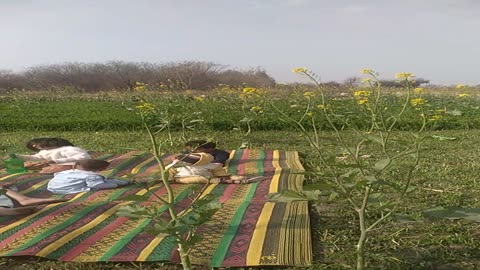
{"x":446,"y":175}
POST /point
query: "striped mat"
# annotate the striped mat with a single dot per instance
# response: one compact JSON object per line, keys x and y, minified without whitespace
{"x":248,"y":230}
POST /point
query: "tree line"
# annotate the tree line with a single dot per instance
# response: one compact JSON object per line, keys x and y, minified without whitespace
{"x":94,"y":77}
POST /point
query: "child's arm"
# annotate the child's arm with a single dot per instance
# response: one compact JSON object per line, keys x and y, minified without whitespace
{"x":35,"y":157}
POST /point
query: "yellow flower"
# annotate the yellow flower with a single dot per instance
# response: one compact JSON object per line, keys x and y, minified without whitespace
{"x":248,"y":90}
{"x":363,"y":101}
{"x":405,"y":76}
{"x":145,"y":106}
{"x":367,"y":71}
{"x":417,"y":101}
{"x":460,"y":86}
{"x":256,"y":109}
{"x":463,"y":95}
{"x":435,"y":117}
{"x":419,"y":90}
{"x":362,"y":93}
{"x":308,"y":95}
{"x":321,"y":106}
{"x":200,"y":98}
{"x":299,"y":70}
{"x":309,"y":114}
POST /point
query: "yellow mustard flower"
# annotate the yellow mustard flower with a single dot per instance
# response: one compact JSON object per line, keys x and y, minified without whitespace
{"x":300,"y":70}
{"x":435,"y":117}
{"x":145,"y":106}
{"x":363,"y":101}
{"x":309,"y":114}
{"x":367,"y":71}
{"x":417,"y":101}
{"x":463,"y":95}
{"x":321,"y":106}
{"x":248,"y":90}
{"x":200,"y":98}
{"x":308,"y":94}
{"x":405,"y":76}
{"x":460,"y":86}
{"x":256,"y":109}
{"x":419,"y":90}
{"x":362,"y":93}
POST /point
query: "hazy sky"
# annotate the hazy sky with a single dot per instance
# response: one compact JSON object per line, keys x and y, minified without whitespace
{"x":435,"y":39}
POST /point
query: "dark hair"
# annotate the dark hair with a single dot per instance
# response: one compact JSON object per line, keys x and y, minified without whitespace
{"x":188,"y":158}
{"x":47,"y":143}
{"x":92,"y":164}
{"x":201,"y":144}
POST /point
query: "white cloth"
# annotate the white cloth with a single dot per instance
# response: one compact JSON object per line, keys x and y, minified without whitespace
{"x":65,"y":155}
{"x":75,"y":181}
{"x":205,"y":170}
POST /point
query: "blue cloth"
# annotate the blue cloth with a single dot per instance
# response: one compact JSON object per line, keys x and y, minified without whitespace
{"x":75,"y":181}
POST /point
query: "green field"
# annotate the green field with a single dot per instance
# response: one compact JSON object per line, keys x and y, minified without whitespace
{"x":447,"y":175}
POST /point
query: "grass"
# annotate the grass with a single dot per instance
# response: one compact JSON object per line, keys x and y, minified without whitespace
{"x":447,"y":175}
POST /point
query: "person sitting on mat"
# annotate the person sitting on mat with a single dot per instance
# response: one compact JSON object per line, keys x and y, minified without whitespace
{"x":83,"y":177}
{"x":220,"y":157}
{"x":55,"y":154}
{"x":13,"y":203}
{"x":198,"y":168}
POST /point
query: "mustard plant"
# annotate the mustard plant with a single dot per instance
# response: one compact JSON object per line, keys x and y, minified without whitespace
{"x":181,"y":224}
{"x":374,"y":172}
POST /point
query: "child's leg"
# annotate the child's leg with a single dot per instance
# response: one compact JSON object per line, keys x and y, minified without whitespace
{"x":107,"y":185}
{"x":19,"y":211}
{"x":119,"y":182}
{"x":25,"y":201}
{"x":192,"y":180}
{"x":238,"y":179}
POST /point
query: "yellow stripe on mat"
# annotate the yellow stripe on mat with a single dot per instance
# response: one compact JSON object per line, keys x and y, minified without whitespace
{"x":140,"y":166}
{"x":150,"y":247}
{"x":68,"y":237}
{"x":276,"y":176}
{"x":256,"y":245}
{"x":36,"y":186}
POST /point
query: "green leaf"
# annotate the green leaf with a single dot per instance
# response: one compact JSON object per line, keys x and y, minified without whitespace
{"x":472,"y":214}
{"x":370,"y":178}
{"x":381,"y":164}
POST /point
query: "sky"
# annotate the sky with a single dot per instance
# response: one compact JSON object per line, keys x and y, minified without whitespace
{"x":435,"y":39}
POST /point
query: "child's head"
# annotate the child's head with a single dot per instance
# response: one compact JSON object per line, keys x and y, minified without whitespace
{"x":92,"y":164}
{"x":195,"y":159}
{"x":38,"y":144}
{"x":200,"y":146}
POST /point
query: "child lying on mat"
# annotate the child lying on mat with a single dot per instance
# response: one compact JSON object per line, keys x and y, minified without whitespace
{"x":199,"y":168}
{"x":27,"y":205}
{"x":53,"y":155}
{"x":83,"y":177}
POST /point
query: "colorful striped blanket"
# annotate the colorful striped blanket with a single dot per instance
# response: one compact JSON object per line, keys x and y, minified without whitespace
{"x":249,"y":230}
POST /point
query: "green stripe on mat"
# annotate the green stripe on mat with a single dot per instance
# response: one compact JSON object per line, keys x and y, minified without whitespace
{"x":124,"y":240}
{"x":59,"y":227}
{"x":224,"y":244}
